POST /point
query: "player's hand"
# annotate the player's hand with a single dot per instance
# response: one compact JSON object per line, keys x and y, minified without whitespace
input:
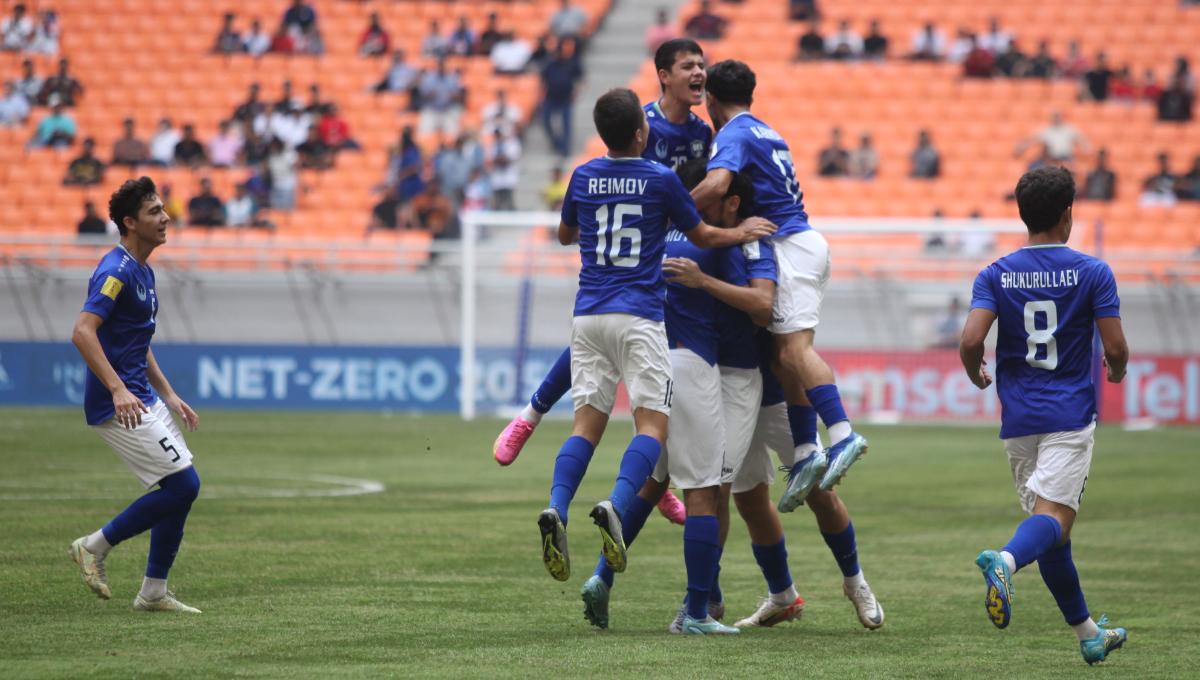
{"x":683,"y":271}
{"x":128,"y":409}
{"x":982,"y":379}
{"x":1113,"y":377}
{"x":754,"y":228}
{"x":180,"y":408}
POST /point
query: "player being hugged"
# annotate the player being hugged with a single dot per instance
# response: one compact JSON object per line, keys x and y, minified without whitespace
{"x":127,"y":397}
{"x":1048,"y":300}
{"x":618,"y":209}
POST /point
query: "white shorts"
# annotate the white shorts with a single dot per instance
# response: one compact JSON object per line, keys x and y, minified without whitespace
{"x":695,"y":447}
{"x":772,"y":432}
{"x":608,"y":348}
{"x":741,"y":395}
{"x":1053,"y":466}
{"x":804,"y":269}
{"x":153,"y":450}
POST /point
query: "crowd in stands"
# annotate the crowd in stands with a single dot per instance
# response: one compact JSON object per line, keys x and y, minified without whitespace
{"x":862,"y":162}
{"x":297,"y":33}
{"x":20,"y":32}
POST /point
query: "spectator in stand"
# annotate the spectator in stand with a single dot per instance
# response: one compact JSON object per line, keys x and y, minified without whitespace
{"x":228,"y":41}
{"x":256,"y":41}
{"x":1183,"y":72}
{"x":400,"y":77}
{"x":864,"y":161}
{"x":45,"y":38}
{"x":255,"y":147}
{"x":962,"y":46}
{"x":405,"y":167}
{"x":542,"y":52}
{"x":314,"y":153}
{"x":1101,"y":182}
{"x":490,"y":36}
{"x":660,"y":32}
{"x":1042,"y":160}
{"x":1149,"y":89}
{"x":510,"y":55}
{"x":875,"y":46}
{"x":441,"y":101}
{"x":928,"y":44}
{"x":189,"y":152}
{"x":315,"y":105}
{"x":250,"y":110}
{"x":811,"y":45}
{"x":56,"y":129}
{"x":1075,"y":64}
{"x":462,"y":40}
{"x":287,"y":99}
{"x":949,"y":329}
{"x":129,"y":151}
{"x":705,"y":25}
{"x":925,"y":160}
{"x":1096,"y":81}
{"x":834,"y":160}
{"x":478,"y":194}
{"x":502,"y":114}
{"x":288,"y":126}
{"x":86,"y":169}
{"x":299,"y":16}
{"x":334,"y":130}
{"x":1189,"y":185}
{"x":386,"y":213}
{"x":281,"y":165}
{"x":1122,"y":88}
{"x":845,"y":44}
{"x":503,"y":177}
{"x":14,"y":108}
{"x":62,"y":88}
{"x":996,"y":40}
{"x":802,"y":10}
{"x":431,"y":209}
{"x":241,"y":210}
{"x":283,"y":42}
{"x":162,"y":144}
{"x":171,"y":205}
{"x":452,"y":167}
{"x":310,"y":41}
{"x":91,"y":223}
{"x":29,"y":84}
{"x":979,"y":63}
{"x":1011,"y":62}
{"x":569,"y":21}
{"x":1059,"y":138}
{"x":16,"y":31}
{"x":225,"y":146}
{"x":375,"y":41}
{"x":206,"y":209}
{"x":435,"y":44}
{"x":1175,"y":103}
{"x":560,"y":85}
{"x":1159,"y":189}
{"x":556,"y":189}
{"x":1042,"y":64}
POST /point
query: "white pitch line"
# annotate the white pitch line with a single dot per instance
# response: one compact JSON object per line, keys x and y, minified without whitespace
{"x":338,"y":487}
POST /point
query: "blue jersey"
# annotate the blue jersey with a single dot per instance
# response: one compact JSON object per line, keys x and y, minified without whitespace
{"x":1046,"y":300}
{"x":121,"y":293}
{"x":672,"y":144}
{"x":622,"y":207}
{"x":772,"y":388}
{"x":738,"y":347}
{"x":692,"y":314}
{"x":749,"y":146}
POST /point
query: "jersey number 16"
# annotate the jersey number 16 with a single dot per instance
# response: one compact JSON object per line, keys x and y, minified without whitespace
{"x":616,"y":234}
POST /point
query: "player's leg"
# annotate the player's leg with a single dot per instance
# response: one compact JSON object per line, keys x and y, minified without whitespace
{"x":701,"y":557}
{"x":556,"y":383}
{"x":596,"y":590}
{"x":165,"y":538}
{"x":809,"y":461}
{"x":833,"y":520}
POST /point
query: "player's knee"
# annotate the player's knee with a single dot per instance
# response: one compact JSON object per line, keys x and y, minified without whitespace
{"x":184,"y":486}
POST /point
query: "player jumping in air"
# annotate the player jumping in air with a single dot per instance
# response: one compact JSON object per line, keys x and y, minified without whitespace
{"x":618,"y":208}
{"x":676,"y":136}
{"x":127,"y":397}
{"x":1048,"y":300}
{"x":745,"y":144}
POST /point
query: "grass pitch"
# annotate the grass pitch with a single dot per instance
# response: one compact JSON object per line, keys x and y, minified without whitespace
{"x":439,"y":575}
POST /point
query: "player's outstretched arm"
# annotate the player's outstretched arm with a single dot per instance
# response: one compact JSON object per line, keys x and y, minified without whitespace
{"x":712,"y":188}
{"x":755,"y":299}
{"x":751,"y":229}
{"x":1116,"y":350}
{"x":177,"y":406}
{"x":970,"y":350}
{"x":567,"y":235}
{"x":128,"y":409}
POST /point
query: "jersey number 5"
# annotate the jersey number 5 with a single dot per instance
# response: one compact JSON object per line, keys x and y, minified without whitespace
{"x":1041,"y":337}
{"x":616,"y":234}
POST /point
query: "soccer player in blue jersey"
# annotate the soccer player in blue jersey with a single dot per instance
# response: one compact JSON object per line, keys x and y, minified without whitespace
{"x":618,"y":208}
{"x":745,"y":144}
{"x":1048,"y":300}
{"x":128,"y":401}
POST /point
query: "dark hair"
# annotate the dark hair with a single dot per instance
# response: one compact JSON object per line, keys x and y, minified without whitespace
{"x":1043,"y":195}
{"x":693,"y":172}
{"x":731,"y":82}
{"x":618,"y":116}
{"x":665,"y":55}
{"x":128,"y":200}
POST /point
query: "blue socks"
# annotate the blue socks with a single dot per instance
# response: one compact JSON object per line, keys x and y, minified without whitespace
{"x":631,"y":525}
{"x":163,"y":511}
{"x":772,"y":560}
{"x":1037,"y":535}
{"x":803,"y":420}
{"x":828,"y":403}
{"x":569,"y":468}
{"x":844,"y":549}
{"x":636,"y":465}
{"x":1058,"y":571}
{"x":554,"y":385}
{"x":701,"y":553}
{"x":714,"y":591}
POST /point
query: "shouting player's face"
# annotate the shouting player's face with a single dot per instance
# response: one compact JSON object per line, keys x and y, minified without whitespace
{"x":150,"y":226}
{"x":685,"y":81}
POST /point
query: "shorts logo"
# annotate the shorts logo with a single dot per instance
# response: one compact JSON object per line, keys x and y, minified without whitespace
{"x":670,"y":393}
{"x":111,"y":288}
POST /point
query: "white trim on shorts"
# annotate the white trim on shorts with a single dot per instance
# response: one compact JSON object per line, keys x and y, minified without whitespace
{"x":804,"y":267}
{"x":608,"y":348}
{"x":695,"y":448}
{"x":152,"y":450}
{"x":1053,"y":466}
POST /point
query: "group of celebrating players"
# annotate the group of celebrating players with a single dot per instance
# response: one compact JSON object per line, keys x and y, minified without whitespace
{"x":700,"y":289}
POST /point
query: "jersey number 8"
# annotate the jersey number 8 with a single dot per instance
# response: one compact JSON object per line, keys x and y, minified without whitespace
{"x":1041,"y":337}
{"x":618,"y":234}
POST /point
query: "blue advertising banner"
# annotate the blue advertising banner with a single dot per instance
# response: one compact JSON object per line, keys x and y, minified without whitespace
{"x":288,"y":377}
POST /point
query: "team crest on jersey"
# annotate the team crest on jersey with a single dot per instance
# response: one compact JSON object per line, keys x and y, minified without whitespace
{"x":661,"y":148}
{"x":141,"y":292}
{"x":697,"y":148}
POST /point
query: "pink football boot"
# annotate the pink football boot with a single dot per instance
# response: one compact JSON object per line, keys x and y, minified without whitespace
{"x":670,"y":506}
{"x":508,"y":445}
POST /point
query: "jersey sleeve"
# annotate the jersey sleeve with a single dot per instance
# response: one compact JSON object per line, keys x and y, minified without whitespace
{"x":759,"y":257}
{"x":727,"y":152}
{"x":681,"y":209}
{"x":104,"y":289}
{"x":1105,"y":302}
{"x":982,"y":296}
{"x":568,"y":214}
{"x":731,"y":266}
